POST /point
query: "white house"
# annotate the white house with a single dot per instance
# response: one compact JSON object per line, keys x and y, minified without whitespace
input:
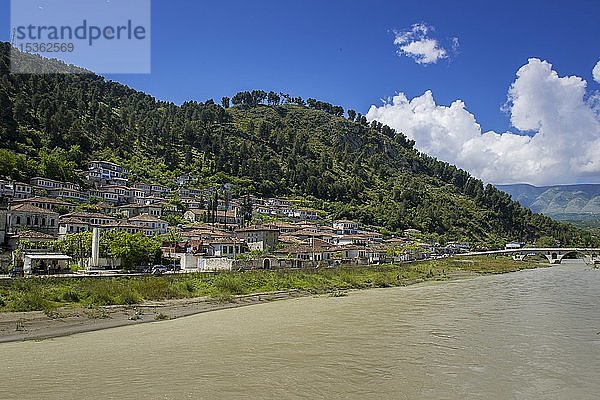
{"x":227,"y":247}
{"x":259,"y":237}
{"x":132,"y":210}
{"x":185,"y":179}
{"x":70,"y":194}
{"x":46,"y":203}
{"x":345,"y":227}
{"x":195,"y":214}
{"x":94,"y":219}
{"x":71,"y":225}
{"x":149,"y":224}
{"x":124,"y":226}
{"x":31,"y":217}
{"x":22,"y":190}
{"x":105,"y":171}
{"x":159,"y":190}
{"x":311,"y":252}
{"x":50,"y":184}
{"x":513,"y":245}
{"x":192,"y":203}
{"x":353,"y":253}
{"x":359,"y":240}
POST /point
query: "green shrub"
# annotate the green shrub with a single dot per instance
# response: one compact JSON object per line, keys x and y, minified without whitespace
{"x":228,"y":284}
{"x":129,"y":297}
{"x":154,"y":288}
{"x":31,"y":301}
{"x":70,"y":295}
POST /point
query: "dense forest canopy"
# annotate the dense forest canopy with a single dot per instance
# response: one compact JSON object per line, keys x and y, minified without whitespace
{"x":264,"y":143}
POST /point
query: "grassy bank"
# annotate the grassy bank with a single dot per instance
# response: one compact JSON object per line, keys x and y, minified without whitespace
{"x":47,"y":294}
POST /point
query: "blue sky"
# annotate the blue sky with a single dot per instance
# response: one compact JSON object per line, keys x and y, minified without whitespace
{"x":344,"y":52}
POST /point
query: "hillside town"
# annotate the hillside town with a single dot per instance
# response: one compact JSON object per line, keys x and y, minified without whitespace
{"x":209,"y":233}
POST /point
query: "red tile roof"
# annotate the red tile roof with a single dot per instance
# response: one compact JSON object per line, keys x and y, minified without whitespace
{"x":34,"y":235}
{"x":30,"y":208}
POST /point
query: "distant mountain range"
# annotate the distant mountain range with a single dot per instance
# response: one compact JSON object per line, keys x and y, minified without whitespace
{"x":563,"y":202}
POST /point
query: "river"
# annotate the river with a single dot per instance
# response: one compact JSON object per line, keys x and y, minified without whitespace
{"x":532,"y":334}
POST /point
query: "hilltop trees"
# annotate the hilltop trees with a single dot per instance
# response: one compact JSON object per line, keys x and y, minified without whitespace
{"x":273,"y":98}
{"x":257,"y":97}
{"x":249,"y":99}
{"x":324,"y":106}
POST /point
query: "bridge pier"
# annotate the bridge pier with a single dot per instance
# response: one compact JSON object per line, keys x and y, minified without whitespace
{"x":554,"y":257}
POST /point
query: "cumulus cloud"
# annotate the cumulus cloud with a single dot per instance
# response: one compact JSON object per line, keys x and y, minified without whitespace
{"x":596,"y":72}
{"x":417,"y":44}
{"x":562,"y":144}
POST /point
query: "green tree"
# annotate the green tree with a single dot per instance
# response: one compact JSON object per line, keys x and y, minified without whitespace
{"x":78,"y":245}
{"x":273,"y":98}
{"x":132,"y":249}
{"x":246,"y":210}
{"x":225,"y":102}
{"x":351,"y":115}
{"x":56,"y":164}
{"x":546,"y":241}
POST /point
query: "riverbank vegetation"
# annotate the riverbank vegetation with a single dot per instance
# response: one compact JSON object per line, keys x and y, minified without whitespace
{"x":49,"y":293}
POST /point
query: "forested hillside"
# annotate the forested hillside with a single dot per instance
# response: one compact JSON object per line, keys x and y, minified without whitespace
{"x":263,"y":143}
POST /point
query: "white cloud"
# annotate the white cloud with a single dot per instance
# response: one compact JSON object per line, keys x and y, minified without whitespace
{"x":418,"y":45}
{"x":596,"y":72}
{"x":564,"y":145}
{"x":455,"y":44}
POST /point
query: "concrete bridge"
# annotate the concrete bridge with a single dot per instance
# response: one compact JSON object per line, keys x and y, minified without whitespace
{"x":554,"y":255}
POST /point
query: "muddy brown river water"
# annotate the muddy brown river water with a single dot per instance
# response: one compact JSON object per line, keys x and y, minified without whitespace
{"x":527,"y":335}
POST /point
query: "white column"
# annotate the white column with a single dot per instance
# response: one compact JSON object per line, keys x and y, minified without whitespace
{"x":95,"y":261}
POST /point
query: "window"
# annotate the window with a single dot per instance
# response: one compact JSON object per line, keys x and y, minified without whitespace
{"x":19,"y":220}
{"x":52,"y":222}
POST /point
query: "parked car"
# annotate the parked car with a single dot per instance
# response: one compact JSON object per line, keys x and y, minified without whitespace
{"x":147,"y":269}
{"x":16,"y":272}
{"x":159,"y":269}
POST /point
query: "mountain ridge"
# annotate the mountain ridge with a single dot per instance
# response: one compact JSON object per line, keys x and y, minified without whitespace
{"x":578,"y":202}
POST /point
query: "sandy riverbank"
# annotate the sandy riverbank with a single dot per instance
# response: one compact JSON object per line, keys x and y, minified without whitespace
{"x":72,"y":319}
{"x":65,"y":321}
{"x":37,"y":325}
